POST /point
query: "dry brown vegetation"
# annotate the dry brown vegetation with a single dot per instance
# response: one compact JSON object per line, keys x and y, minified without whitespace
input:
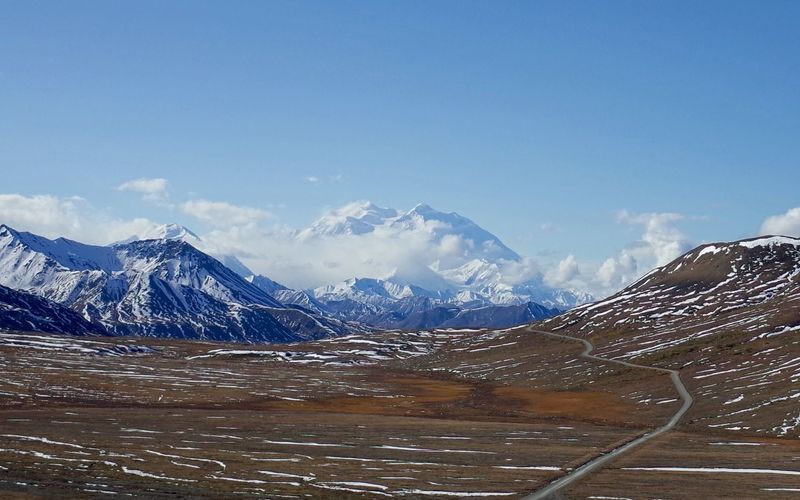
{"x":439,"y":415}
{"x":172,"y":424}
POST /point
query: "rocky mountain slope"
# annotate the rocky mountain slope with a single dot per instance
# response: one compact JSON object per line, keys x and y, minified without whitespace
{"x":26,"y":312}
{"x":161,"y":288}
{"x":728,"y":316}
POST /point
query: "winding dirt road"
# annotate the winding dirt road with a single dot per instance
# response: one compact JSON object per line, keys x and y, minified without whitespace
{"x":597,"y":462}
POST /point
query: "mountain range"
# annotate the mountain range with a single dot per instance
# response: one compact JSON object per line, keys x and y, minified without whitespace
{"x":477,"y":287}
{"x":729,"y":309}
{"x":161,"y":283}
{"x":163,"y":288}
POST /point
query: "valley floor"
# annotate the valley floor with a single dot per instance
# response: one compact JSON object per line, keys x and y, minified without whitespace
{"x":418,"y":415}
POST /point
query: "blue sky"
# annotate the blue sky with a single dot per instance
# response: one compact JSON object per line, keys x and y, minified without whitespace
{"x":539,"y":120}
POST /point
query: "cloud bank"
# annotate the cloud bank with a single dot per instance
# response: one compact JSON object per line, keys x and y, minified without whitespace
{"x":407,"y":252}
{"x":787,"y":224}
{"x":152,"y":190}
{"x":71,"y":217}
{"x":307,"y":262}
{"x":661,"y":242}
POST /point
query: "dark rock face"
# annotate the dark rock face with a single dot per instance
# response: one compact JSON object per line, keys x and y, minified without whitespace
{"x":23,"y":311}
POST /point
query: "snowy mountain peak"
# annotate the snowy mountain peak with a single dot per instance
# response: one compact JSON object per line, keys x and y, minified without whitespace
{"x":9,"y":234}
{"x":424,"y":208}
{"x":165,"y":232}
{"x":33,"y":251}
{"x":477,"y":242}
{"x":419,"y":276}
{"x":769,"y":241}
{"x":265,"y":283}
{"x":174,"y":232}
{"x":353,"y":219}
{"x":462,"y":256}
{"x":361,"y":209}
{"x":363,"y":218}
{"x":474,"y":272}
{"x":370,"y":290}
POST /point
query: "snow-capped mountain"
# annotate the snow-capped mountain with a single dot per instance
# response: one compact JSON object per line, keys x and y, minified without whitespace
{"x":373,"y":290}
{"x":355,"y":218}
{"x":468,"y":268}
{"x":388,"y":304}
{"x":487,"y":281}
{"x":177,"y":232}
{"x":281,"y":293}
{"x":366,"y":217}
{"x":158,"y":287}
{"x":26,"y":312}
{"x":728,"y":316}
{"x":477,"y":276}
{"x":480,"y":275}
{"x":483,"y":244}
{"x":166,"y":232}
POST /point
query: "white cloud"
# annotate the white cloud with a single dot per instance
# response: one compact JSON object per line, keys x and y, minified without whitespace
{"x":222,"y":214}
{"x":308,"y":258}
{"x":787,"y":224}
{"x":315,"y":179}
{"x":153,"y":190}
{"x":71,"y":217}
{"x":615,"y":273}
{"x":309,"y":262}
{"x":278,"y":252}
{"x":563,"y":273}
{"x":520,"y":271}
{"x":253,"y":235}
{"x":144,"y":185}
{"x":661,"y":239}
{"x":660,"y":243}
{"x":453,"y":246}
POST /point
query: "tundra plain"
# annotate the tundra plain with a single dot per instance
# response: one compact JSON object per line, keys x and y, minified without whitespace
{"x":441,"y":414}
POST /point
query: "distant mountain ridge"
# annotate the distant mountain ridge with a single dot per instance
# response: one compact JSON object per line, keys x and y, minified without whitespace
{"x":161,"y":287}
{"x":151,"y":284}
{"x":480,"y":279}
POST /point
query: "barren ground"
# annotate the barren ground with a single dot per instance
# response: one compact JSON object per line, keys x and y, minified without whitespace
{"x":418,"y":415}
